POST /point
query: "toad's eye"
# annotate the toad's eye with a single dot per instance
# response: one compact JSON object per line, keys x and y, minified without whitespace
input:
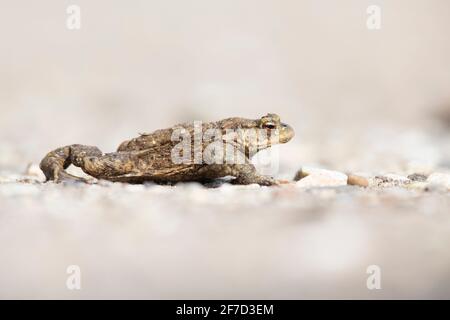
{"x":269,"y":125}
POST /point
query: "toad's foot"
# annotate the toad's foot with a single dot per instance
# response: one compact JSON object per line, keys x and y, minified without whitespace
{"x":55,"y":162}
{"x":247,"y":174}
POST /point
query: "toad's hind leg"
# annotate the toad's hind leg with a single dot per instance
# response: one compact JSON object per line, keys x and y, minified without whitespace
{"x":55,"y":162}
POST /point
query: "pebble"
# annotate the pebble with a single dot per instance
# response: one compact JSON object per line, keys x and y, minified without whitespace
{"x":419,"y":177}
{"x":441,"y":179}
{"x":300,"y":175}
{"x":390,"y":180}
{"x":314,"y":177}
{"x":418,"y":185}
{"x":357,"y":180}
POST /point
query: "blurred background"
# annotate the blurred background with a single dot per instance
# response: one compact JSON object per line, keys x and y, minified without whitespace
{"x":146,"y":65}
{"x":373,"y":101}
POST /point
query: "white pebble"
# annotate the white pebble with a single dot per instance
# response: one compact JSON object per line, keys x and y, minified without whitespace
{"x":322,"y":178}
{"x":442,"y":179}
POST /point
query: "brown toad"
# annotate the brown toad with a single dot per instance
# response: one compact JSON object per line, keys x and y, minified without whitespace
{"x":177,"y":154}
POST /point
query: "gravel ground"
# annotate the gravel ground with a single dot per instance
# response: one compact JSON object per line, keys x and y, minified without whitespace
{"x":190,"y":241}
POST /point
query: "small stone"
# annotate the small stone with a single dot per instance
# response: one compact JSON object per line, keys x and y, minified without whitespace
{"x":306,"y":171}
{"x":390,"y":180}
{"x":313,"y":177}
{"x":417,"y":185}
{"x":441,"y":179}
{"x":419,"y":177}
{"x":300,"y":175}
{"x":357,"y":180}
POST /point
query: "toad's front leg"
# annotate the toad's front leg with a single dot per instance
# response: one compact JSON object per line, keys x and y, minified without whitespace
{"x":243,"y":173}
{"x":247,"y":174}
